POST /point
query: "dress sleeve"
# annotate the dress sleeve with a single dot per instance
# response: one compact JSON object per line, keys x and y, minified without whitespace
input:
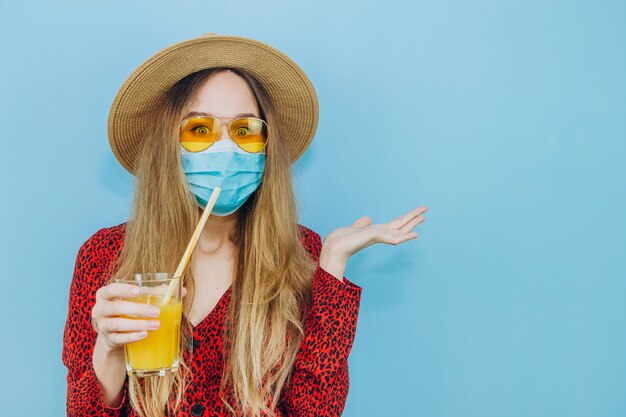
{"x":84,"y":394}
{"x":319,"y":382}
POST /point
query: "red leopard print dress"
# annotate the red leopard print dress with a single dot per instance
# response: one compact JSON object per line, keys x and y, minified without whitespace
{"x":319,"y":384}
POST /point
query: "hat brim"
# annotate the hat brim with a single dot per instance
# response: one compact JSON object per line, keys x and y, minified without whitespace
{"x":290,"y":89}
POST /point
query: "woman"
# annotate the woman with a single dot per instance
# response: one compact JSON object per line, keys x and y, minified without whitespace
{"x":268,"y":317}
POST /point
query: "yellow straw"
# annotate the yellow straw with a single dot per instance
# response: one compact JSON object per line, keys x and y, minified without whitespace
{"x":192,"y":243}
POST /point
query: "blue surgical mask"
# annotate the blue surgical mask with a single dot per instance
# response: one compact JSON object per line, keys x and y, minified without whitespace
{"x":237,"y":172}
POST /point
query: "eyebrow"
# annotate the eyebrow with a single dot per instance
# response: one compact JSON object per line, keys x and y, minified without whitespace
{"x":195,"y":113}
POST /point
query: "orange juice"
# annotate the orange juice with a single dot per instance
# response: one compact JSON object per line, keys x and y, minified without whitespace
{"x":159,"y":350}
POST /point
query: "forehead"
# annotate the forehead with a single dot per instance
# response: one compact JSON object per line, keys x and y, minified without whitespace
{"x":225,"y":94}
{"x":200,"y":113}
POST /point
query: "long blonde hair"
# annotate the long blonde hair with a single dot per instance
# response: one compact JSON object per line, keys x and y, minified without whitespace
{"x":271,"y":289}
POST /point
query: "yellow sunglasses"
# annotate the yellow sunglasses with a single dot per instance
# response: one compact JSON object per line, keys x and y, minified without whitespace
{"x":198,"y":133}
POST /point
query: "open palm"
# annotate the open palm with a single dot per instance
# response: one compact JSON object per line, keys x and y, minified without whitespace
{"x":346,"y":241}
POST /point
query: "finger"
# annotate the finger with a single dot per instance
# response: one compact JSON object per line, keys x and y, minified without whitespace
{"x":123,"y":338}
{"x":402,"y":220}
{"x":395,"y":238}
{"x":412,"y":224}
{"x":130,"y":308}
{"x":156,"y":290}
{"x":363,"y":221}
{"x":120,"y":324}
{"x":117,"y":289}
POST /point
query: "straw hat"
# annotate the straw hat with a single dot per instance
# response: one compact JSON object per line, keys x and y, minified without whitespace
{"x":289,"y":87}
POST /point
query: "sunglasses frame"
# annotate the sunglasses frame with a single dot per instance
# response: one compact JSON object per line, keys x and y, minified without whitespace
{"x":228,"y":130}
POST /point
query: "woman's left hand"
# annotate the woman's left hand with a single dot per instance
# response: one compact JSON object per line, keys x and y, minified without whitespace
{"x":344,"y":242}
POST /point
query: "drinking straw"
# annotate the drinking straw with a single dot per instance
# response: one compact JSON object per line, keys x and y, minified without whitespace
{"x":192,"y":243}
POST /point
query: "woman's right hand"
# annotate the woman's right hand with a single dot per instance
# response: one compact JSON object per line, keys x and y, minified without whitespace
{"x":117,"y":331}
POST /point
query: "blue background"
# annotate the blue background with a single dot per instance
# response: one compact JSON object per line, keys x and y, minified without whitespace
{"x":505,"y":118}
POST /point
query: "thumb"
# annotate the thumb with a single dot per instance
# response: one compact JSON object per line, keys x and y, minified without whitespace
{"x":363,"y":221}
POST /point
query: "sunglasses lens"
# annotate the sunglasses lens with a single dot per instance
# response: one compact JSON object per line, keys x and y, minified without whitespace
{"x":249,"y":133}
{"x":198,"y":133}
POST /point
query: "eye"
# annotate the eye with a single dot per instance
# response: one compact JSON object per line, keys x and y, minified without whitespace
{"x":201,"y":130}
{"x":241,"y":131}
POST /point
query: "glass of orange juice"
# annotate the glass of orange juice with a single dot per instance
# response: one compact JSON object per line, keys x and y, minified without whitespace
{"x":158,"y":353}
